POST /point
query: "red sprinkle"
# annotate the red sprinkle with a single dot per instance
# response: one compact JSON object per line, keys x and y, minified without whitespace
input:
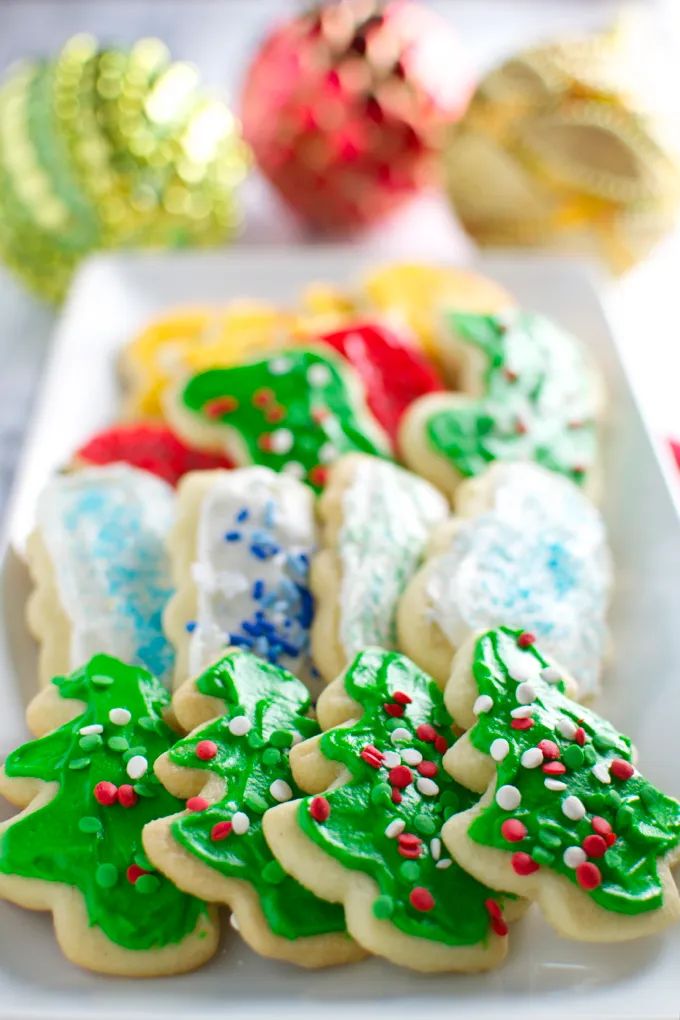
{"x":554,"y":768}
{"x":520,"y":427}
{"x":220,"y":831}
{"x":440,"y":744}
{"x":510,"y":375}
{"x":522,"y":724}
{"x":523,"y":864}
{"x":275,"y":414}
{"x":588,"y":875}
{"x":319,"y":809}
{"x":106,"y":793}
{"x":526,"y":639}
{"x":408,"y":839}
{"x":421,"y":899}
{"x":134,"y":872}
{"x":594,"y":846}
{"x":393,"y":709}
{"x":401,"y":698}
{"x":610,"y":838}
{"x":318,"y":475}
{"x":400,"y":776}
{"x":372,"y":756}
{"x":263,"y":396}
{"x":499,"y":926}
{"x":319,"y":413}
{"x":126,"y":795}
{"x":580,"y":736}
{"x":219,"y":406}
{"x":396,"y":796}
{"x":426,"y":732}
{"x":600,"y":825}
{"x":549,"y":748}
{"x":265,"y":442}
{"x":206,"y":749}
{"x":197,"y":804}
{"x":621,"y":769}
{"x":428,"y":769}
{"x":493,"y":909}
{"x":513,"y":830}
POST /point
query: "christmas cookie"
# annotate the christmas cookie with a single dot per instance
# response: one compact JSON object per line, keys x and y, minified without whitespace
{"x":369,"y":836}
{"x":525,"y":549}
{"x":244,"y":715}
{"x":529,"y":393}
{"x":150,"y":446}
{"x":376,"y":522}
{"x":87,"y":787}
{"x":295,"y":411}
{"x":240,"y":556}
{"x":394,"y":372}
{"x":415,"y":295}
{"x":187,"y":340}
{"x":101,"y":571}
{"x":566,"y":818}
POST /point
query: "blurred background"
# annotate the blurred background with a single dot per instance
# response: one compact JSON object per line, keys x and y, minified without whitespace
{"x":596,"y":172}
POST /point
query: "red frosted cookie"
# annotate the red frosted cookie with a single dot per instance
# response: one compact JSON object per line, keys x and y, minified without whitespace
{"x":150,"y":446}
{"x":393,"y":372}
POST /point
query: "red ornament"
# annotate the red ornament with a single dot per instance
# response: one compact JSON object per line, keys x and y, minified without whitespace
{"x":554,"y":768}
{"x":401,"y":698}
{"x":197,"y":804}
{"x":513,"y":830}
{"x":440,"y":744}
{"x":549,"y":748}
{"x":421,"y":899}
{"x":588,"y":875}
{"x":595,"y":846}
{"x":426,"y":732}
{"x":206,"y":750}
{"x":220,"y":831}
{"x":525,"y":723}
{"x":346,"y":106}
{"x":580,"y":736}
{"x":134,"y":872}
{"x":621,"y":769}
{"x":523,"y":864}
{"x":318,"y":475}
{"x":526,"y":638}
{"x":429,"y":769}
{"x":400,"y":776}
{"x":319,"y":809}
{"x":106,"y":793}
{"x":396,"y":711}
{"x":127,"y":796}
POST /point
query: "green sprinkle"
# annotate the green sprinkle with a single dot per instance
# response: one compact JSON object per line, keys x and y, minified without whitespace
{"x":132,"y":751}
{"x":381,"y":794}
{"x":604,"y":743}
{"x":273,"y":873}
{"x":144,"y":790}
{"x":271,"y":756}
{"x":383,"y":907}
{"x":542,"y":855}
{"x":147,"y":723}
{"x":424,"y":825}
{"x":409,"y":871}
{"x":90,"y":741}
{"x":147,"y":884}
{"x":142,"y":861}
{"x":80,"y":763}
{"x":255,"y":740}
{"x":551,"y":840}
{"x":589,"y":754}
{"x":99,"y":680}
{"x":89,"y":824}
{"x":624,"y":818}
{"x":597,"y":802}
{"x":573,"y":756}
{"x":281,"y":738}
{"x":106,"y":876}
{"x":449,"y":799}
{"x":613,"y":799}
{"x":256,"y":803}
{"x":118,"y":743}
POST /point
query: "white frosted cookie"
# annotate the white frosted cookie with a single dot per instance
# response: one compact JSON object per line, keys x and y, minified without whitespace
{"x":101,"y":571}
{"x":526,"y":549}
{"x":240,"y":556}
{"x":376,"y":522}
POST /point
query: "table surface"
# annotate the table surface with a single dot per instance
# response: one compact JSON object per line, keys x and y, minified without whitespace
{"x":219,"y":36}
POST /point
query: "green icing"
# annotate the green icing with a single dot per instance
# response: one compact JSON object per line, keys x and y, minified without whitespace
{"x":78,"y":841}
{"x":276,"y":704}
{"x":293,"y":411}
{"x":362,"y":809}
{"x":538,"y":401}
{"x":645,"y":821}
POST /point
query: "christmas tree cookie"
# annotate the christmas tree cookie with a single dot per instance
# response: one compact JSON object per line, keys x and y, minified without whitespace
{"x":369,"y":837}
{"x":244,"y":716}
{"x":528,"y":393}
{"x":293,"y":411}
{"x":566,"y":818}
{"x":88,"y":788}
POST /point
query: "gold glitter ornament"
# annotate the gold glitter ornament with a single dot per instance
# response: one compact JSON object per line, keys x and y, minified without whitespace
{"x":108,"y":148}
{"x":557,"y":149}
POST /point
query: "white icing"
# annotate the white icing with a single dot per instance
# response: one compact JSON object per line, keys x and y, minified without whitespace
{"x":388,"y":514}
{"x":255,"y":530}
{"x":104,"y":529}
{"x":537,"y":560}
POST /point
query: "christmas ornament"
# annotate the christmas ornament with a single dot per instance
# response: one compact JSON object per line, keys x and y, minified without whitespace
{"x":556,"y":148}
{"x":103,"y":148}
{"x":344,"y":107}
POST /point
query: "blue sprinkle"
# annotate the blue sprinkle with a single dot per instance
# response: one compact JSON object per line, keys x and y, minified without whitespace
{"x":258,"y":590}
{"x":190,"y":626}
{"x":242,"y":515}
{"x":287,"y":589}
{"x":268,"y":600}
{"x":290,"y":649}
{"x":270,"y":514}
{"x":264,"y":551}
{"x":239,"y":640}
{"x":306,"y":607}
{"x":232,"y":536}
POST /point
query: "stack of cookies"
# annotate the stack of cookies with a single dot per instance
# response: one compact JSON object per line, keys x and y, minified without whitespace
{"x":320,"y":620}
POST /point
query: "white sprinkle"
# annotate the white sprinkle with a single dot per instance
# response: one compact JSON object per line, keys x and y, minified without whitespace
{"x":523,"y":712}
{"x":526,"y":693}
{"x":327,"y":453}
{"x":297,"y":739}
{"x":446,"y":862}
{"x":508,"y":798}
{"x":240,"y":823}
{"x":240,"y":725}
{"x":555,"y":784}
{"x":601,"y":772}
{"x":318,"y":375}
{"x":567,"y":728}
{"x":436,"y":848}
{"x":483,"y":704}
{"x":400,"y":733}
{"x":532,"y":758}
{"x":234,"y":923}
{"x":395,"y":828}
{"x":281,"y":440}
{"x":573,"y":808}
{"x":137,"y":766}
{"x":427,"y":787}
{"x":499,"y":748}
{"x":391,"y":759}
{"x":293,"y":468}
{"x":120,"y":716}
{"x":412,"y":756}
{"x":550,"y":674}
{"x":523,"y":668}
{"x":280,"y":366}
{"x":94,"y":727}
{"x":573,"y":856}
{"x":280,"y":790}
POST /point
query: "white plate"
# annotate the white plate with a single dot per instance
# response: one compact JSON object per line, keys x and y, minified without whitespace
{"x":545,"y":976}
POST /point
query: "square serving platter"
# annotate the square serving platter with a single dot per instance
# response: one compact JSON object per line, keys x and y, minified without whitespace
{"x":545,"y":976}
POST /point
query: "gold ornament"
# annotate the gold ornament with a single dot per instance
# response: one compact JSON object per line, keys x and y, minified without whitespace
{"x":555,"y":149}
